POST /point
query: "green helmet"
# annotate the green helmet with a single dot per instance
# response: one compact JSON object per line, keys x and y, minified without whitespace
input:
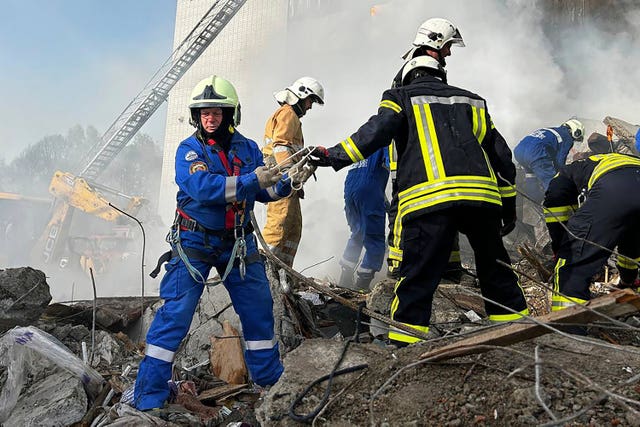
{"x":214,"y":91}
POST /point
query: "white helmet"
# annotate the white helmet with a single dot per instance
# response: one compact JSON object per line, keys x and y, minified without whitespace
{"x":423,"y":61}
{"x":301,"y":89}
{"x":436,"y":32}
{"x":576,"y":128}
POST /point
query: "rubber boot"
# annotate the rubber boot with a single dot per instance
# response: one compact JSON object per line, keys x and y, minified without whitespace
{"x":346,"y":278}
{"x":363,"y":280}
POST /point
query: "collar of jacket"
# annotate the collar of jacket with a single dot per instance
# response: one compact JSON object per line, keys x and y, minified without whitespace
{"x":428,"y":79}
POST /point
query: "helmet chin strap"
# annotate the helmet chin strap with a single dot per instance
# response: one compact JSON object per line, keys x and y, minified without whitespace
{"x":297,"y":108}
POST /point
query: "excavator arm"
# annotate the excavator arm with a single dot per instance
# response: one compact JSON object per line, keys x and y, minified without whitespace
{"x":72,"y":192}
{"x":76,"y":192}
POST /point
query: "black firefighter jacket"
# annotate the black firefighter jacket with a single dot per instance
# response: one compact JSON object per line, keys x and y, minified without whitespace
{"x":572,"y":183}
{"x":448,"y":151}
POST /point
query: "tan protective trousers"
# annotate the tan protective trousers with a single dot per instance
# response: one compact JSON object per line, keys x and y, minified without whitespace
{"x":283,"y":229}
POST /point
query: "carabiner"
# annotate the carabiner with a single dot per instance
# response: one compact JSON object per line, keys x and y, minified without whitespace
{"x":582,"y":197}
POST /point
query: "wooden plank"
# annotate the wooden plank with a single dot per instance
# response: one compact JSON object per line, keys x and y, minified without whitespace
{"x":220,"y":392}
{"x":615,"y":304}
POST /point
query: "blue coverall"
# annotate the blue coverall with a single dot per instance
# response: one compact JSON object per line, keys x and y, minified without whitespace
{"x":364,"y":206}
{"x":542,"y":153}
{"x":205,"y":192}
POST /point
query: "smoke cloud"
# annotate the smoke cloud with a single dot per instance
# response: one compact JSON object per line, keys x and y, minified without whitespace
{"x":531,"y":74}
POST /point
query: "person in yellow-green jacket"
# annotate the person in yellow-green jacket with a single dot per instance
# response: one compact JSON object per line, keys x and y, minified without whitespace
{"x":282,"y":140}
{"x":597,"y":199}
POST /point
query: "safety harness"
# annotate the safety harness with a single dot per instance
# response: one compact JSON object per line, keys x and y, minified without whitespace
{"x":234,"y":219}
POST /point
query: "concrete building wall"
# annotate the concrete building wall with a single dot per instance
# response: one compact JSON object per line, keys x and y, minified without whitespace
{"x":236,"y":55}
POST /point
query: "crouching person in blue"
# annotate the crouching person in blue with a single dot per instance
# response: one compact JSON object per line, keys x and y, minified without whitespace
{"x":543,"y":152}
{"x":220,"y":174}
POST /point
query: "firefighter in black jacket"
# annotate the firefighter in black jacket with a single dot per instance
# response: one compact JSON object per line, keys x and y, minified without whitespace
{"x":449,"y":158}
{"x":435,"y":37}
{"x":598,"y":200}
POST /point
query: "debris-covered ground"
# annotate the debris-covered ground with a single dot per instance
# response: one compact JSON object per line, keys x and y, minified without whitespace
{"x":555,"y":379}
{"x":495,"y":388}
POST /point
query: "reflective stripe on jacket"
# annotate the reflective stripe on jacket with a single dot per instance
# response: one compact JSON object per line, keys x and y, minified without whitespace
{"x":550,"y":143}
{"x":205,"y":189}
{"x":282,"y":136}
{"x":448,"y":151}
{"x":561,"y":199}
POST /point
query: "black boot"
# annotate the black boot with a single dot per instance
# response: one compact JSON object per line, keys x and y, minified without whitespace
{"x":363,"y":280}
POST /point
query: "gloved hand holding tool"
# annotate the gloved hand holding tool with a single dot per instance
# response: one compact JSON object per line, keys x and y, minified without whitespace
{"x":319,"y":156}
{"x":267,"y":177}
{"x":301,"y":172}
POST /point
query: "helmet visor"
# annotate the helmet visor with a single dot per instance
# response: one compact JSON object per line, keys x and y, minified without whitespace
{"x":456,"y":39}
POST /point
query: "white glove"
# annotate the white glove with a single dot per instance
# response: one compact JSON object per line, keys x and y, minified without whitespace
{"x":267,"y":177}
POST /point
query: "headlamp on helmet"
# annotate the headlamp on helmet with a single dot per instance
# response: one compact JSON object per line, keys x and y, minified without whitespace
{"x":437,"y":32}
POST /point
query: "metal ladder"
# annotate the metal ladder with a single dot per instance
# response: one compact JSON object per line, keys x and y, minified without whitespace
{"x":156,"y":91}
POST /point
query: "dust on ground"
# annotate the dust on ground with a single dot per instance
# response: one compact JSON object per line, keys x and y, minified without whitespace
{"x":581,"y":382}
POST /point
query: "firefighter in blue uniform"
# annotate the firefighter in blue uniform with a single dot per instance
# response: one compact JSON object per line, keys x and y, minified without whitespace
{"x":450,"y":159}
{"x":543,"y":152}
{"x":364,"y":206}
{"x":598,"y":200}
{"x":220,"y":174}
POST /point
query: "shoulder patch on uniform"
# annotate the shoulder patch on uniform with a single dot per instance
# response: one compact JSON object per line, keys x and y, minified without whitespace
{"x":197,"y":166}
{"x":191,"y":155}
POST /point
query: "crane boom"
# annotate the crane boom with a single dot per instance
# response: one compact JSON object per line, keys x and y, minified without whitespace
{"x":142,"y":107}
{"x":80,"y":191}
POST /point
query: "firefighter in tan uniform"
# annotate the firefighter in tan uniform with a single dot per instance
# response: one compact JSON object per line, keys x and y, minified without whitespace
{"x":282,"y":140}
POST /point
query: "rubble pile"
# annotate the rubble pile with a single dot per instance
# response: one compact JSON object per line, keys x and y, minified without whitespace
{"x":24,"y":295}
{"x":62,"y":367}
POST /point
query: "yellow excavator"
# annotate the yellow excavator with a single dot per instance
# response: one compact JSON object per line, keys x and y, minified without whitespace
{"x":71,"y":192}
{"x":23,"y":216}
